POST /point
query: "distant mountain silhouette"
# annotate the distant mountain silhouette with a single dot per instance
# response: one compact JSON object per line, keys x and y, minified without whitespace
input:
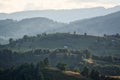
{"x":32,"y":26}
{"x":61,"y":15}
{"x":109,"y":24}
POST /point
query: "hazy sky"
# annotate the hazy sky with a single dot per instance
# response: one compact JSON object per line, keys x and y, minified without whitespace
{"x":21,"y":5}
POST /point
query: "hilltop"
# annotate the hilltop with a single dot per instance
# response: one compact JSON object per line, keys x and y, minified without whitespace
{"x":30,"y":26}
{"x":98,"y":45}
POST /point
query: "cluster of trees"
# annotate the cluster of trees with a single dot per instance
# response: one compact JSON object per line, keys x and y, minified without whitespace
{"x":25,"y":71}
{"x":70,"y":57}
{"x":31,"y":38}
{"x":106,"y":58}
{"x":40,"y":71}
{"x":9,"y":57}
{"x":95,"y":75}
{"x":26,"y":37}
{"x":62,"y":66}
{"x":117,"y":35}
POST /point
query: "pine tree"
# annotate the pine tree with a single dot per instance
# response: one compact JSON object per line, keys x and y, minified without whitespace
{"x":85,"y":72}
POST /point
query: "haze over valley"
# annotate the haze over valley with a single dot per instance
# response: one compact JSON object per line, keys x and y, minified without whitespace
{"x":98,"y":25}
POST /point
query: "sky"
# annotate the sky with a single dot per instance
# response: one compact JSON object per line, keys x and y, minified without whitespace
{"x":9,"y":6}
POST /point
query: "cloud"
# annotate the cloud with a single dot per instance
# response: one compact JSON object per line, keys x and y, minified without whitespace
{"x":94,"y":3}
{"x":29,"y":6}
{"x":11,"y":5}
{"x":84,"y":0}
{"x":100,"y":1}
{"x":20,"y":5}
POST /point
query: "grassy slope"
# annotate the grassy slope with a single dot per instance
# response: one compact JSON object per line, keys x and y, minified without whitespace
{"x":96,"y":44}
{"x":61,"y":75}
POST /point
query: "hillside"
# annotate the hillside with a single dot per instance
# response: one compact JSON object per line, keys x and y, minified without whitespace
{"x":98,"y":45}
{"x":72,"y":60}
{"x":38,"y":71}
{"x":16,"y":29}
{"x":108,"y":24}
{"x":64,"y":16}
{"x":68,"y":75}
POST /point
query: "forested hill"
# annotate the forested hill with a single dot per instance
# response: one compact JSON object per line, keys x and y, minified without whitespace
{"x":100,"y":45}
{"x":67,"y":65}
{"x":108,"y":24}
{"x":31,"y":26}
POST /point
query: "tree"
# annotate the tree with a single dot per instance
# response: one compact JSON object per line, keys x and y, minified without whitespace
{"x":117,"y":35}
{"x":95,"y":75}
{"x":1,"y":70}
{"x":74,"y":32}
{"x":102,"y":77}
{"x":38,"y":52}
{"x":38,"y":35}
{"x":85,"y":72}
{"x":105,"y":35}
{"x":76,"y":69}
{"x":40,"y":66}
{"x":40,"y":76}
{"x":85,"y":34}
{"x":111,"y":58}
{"x":87,"y":54}
{"x":44,"y":34}
{"x":61,"y":66}
{"x":11,"y":40}
{"x":25,"y":37}
{"x":46,"y":62}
